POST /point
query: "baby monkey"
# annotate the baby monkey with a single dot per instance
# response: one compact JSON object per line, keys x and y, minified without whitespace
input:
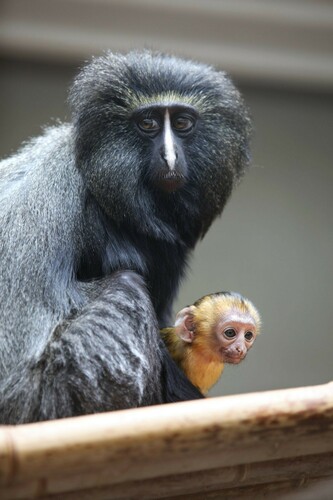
{"x":218,"y":328}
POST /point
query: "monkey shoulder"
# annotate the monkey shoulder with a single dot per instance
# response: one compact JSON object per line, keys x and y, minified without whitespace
{"x":41,"y":200}
{"x":38,"y":182}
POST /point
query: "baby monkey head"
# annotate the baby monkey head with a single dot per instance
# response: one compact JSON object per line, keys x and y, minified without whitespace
{"x":222,"y":326}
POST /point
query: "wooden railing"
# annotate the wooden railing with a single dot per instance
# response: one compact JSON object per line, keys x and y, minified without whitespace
{"x":230,"y":447}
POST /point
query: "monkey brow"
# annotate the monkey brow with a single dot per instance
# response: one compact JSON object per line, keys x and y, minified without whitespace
{"x":166,"y":98}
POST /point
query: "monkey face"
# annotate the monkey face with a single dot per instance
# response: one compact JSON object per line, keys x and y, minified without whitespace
{"x":236,"y":334}
{"x":167,"y":130}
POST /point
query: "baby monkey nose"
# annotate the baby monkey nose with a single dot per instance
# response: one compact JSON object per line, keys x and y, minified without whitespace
{"x":239,"y":349}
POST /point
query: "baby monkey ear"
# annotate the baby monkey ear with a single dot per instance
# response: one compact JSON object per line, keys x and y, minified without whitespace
{"x":184,"y":325}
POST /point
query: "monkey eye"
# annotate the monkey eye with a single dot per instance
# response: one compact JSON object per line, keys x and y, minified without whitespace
{"x":249,"y":336}
{"x":183,"y":124}
{"x":148,"y":125}
{"x":229,"y":333}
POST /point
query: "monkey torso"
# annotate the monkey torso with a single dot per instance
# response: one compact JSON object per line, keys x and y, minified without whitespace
{"x":202,"y":372}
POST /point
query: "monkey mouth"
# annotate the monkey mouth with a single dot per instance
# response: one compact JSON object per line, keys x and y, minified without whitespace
{"x":171,"y":181}
{"x":232,"y":359}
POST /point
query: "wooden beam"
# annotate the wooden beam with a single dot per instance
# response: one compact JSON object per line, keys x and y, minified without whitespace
{"x":224,"y":441}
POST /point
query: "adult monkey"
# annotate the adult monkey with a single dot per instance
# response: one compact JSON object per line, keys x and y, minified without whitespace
{"x":150,"y":158}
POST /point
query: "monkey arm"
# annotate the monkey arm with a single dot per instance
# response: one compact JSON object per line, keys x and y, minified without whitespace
{"x":104,"y":359}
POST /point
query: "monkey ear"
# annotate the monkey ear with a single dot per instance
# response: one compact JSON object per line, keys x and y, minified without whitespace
{"x":184,"y":325}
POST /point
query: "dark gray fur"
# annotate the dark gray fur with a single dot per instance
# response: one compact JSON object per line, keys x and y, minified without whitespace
{"x":75,"y":208}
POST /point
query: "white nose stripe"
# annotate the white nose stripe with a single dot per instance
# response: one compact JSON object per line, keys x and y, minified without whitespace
{"x":169,"y":146}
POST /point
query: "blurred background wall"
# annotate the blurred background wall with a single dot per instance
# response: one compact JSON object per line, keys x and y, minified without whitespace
{"x":274,"y":242}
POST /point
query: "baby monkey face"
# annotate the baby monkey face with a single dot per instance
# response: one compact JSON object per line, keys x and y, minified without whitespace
{"x":234,"y":335}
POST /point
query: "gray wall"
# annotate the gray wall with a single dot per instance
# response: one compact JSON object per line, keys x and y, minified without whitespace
{"x":274,"y":241}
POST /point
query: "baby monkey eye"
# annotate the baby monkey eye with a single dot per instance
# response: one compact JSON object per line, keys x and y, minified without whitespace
{"x":249,"y":335}
{"x":148,"y":125}
{"x":183,"y":123}
{"x":229,"y":333}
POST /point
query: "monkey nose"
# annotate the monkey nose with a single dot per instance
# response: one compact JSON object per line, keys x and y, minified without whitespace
{"x":167,"y":158}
